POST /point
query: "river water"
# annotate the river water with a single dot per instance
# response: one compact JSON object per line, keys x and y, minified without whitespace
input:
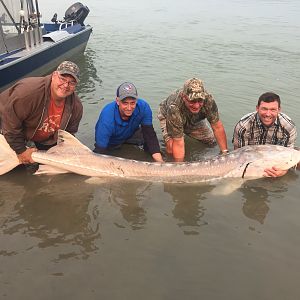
{"x":65,"y":238}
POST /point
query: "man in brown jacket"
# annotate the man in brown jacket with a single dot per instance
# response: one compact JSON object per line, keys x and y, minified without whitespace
{"x":34,"y":108}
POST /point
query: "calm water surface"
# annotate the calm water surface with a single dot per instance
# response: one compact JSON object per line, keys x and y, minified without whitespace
{"x":66,"y":238}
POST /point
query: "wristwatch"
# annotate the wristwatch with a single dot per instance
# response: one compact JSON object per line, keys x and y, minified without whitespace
{"x":225,"y":151}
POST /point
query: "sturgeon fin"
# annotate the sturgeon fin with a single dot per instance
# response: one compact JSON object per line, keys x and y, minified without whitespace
{"x":66,"y":139}
{"x":49,"y":170}
{"x":8,"y":157}
{"x":227,"y":187}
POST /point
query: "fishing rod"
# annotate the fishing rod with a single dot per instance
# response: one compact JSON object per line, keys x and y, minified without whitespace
{"x":11,"y":17}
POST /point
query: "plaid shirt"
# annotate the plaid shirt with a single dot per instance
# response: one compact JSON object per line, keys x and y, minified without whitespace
{"x":250,"y":131}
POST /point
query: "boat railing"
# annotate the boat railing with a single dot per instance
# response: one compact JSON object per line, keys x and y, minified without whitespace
{"x":65,"y":25}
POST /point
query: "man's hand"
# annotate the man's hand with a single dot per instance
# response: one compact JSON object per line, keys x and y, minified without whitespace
{"x":274,"y":172}
{"x":25,"y":157}
{"x":157,"y":157}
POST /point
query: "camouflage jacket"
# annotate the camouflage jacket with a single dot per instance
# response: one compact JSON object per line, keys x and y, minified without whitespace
{"x":180,"y":120}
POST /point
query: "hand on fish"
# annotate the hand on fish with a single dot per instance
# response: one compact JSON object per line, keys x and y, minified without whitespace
{"x":25,"y":157}
{"x":274,"y":172}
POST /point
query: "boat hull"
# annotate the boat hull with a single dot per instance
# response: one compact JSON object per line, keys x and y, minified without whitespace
{"x":43,"y":58}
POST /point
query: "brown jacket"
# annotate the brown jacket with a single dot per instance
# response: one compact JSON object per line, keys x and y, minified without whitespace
{"x":24,"y":106}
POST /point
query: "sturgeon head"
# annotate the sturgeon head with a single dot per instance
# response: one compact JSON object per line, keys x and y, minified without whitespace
{"x":255,"y":159}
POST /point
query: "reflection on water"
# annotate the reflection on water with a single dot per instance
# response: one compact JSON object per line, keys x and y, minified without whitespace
{"x":48,"y":212}
{"x":188,"y":209}
{"x":124,"y":229}
{"x":128,"y":196}
{"x":255,"y":207}
{"x":89,"y":75}
{"x":11,"y":194}
{"x":258,"y":195}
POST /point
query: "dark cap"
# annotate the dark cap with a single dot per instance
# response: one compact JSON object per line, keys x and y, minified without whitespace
{"x":194,"y":89}
{"x":68,"y":67}
{"x":127,"y":90}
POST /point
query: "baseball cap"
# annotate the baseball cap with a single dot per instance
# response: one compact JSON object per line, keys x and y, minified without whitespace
{"x":70,"y":68}
{"x":194,"y":89}
{"x":126,"y":90}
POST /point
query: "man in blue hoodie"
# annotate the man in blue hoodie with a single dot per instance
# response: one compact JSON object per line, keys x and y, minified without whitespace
{"x":128,"y":119}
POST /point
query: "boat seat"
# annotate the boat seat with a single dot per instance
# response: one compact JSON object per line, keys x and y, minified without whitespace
{"x":56,"y":36}
{"x":74,"y":29}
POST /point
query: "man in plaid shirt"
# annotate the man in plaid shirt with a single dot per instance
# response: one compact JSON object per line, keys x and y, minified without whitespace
{"x":267,"y":125}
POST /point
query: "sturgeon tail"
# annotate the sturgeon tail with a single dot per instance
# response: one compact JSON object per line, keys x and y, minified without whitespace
{"x":8,"y":157}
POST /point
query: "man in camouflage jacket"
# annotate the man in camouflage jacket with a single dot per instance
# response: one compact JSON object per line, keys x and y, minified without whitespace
{"x":186,"y":111}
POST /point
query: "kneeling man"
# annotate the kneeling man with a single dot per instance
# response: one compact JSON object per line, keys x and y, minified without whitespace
{"x":128,"y":119}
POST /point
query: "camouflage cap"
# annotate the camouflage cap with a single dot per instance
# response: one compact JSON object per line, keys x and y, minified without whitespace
{"x":68,"y":67}
{"x":127,"y":90}
{"x":194,"y":89}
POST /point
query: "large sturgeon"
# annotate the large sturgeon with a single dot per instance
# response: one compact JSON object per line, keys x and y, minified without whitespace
{"x":70,"y":155}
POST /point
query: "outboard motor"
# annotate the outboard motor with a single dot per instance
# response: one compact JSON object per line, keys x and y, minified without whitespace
{"x":76,"y":13}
